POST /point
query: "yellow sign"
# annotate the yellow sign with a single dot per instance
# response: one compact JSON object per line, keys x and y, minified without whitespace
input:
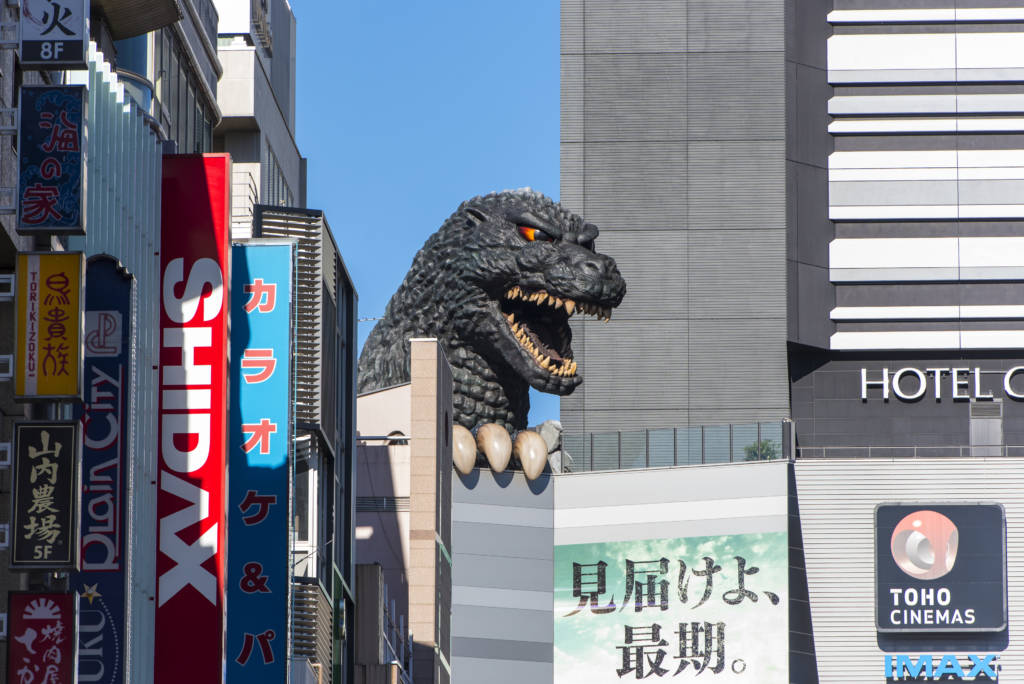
{"x":48,"y":355}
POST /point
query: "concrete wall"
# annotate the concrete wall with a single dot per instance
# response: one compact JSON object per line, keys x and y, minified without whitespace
{"x":503,"y":582}
{"x":382,"y":476}
{"x":673,"y":143}
{"x":430,"y":542}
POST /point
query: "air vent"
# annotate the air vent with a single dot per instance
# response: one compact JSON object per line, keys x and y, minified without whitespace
{"x":3,"y":625}
{"x":986,"y":409}
{"x":6,"y":366}
{"x":5,"y":536}
{"x":6,"y":287}
{"x":382,"y":504}
{"x":6,"y":448}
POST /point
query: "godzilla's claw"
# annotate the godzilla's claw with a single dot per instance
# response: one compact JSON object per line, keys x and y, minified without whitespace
{"x":463,"y":449}
{"x":493,"y":440}
{"x":532,"y":452}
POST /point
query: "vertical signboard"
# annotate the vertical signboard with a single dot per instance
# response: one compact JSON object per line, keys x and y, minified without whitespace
{"x":258,"y":460}
{"x":51,"y":170}
{"x":189,"y":638}
{"x":54,"y":34}
{"x":105,"y":439}
{"x":41,"y":637}
{"x":712,"y":608}
{"x":44,"y":530}
{"x":48,"y":353}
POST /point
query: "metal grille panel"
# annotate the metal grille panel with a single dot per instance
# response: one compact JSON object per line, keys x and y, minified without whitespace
{"x":308,"y":228}
{"x":311,"y":624}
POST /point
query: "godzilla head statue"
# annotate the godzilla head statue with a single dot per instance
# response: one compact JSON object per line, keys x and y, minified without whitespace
{"x":496,"y":285}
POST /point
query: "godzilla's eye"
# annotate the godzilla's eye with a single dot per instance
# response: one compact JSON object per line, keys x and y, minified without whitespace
{"x":533,"y":234}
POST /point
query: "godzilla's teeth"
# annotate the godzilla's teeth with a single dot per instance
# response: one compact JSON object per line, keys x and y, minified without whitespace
{"x":572,"y":368}
{"x":556,"y":302}
{"x":542,"y":297}
{"x":511,"y":319}
{"x":545,"y":363}
{"x":569,"y":306}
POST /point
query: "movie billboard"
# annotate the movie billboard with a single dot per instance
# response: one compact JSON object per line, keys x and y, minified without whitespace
{"x":714,"y":608}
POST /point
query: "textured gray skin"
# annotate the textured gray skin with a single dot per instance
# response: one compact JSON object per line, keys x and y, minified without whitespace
{"x":454,"y":292}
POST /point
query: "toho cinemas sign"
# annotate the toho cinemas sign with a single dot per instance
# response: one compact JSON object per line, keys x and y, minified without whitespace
{"x":941,"y":382}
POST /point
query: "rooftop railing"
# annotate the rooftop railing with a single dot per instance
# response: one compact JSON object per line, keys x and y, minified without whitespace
{"x":963,"y":451}
{"x":696,"y":445}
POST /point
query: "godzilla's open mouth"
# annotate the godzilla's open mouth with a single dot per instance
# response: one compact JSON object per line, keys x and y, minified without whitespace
{"x":540,"y":323}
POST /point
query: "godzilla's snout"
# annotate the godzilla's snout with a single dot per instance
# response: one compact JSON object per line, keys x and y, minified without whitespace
{"x":593,"y":276}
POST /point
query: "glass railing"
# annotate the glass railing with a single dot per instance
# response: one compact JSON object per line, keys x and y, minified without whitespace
{"x":662,"y":447}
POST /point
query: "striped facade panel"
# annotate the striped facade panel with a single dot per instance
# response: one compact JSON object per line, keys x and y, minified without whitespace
{"x":717,"y":110}
{"x":727,"y":359}
{"x":572,"y":98}
{"x":655,"y":265}
{"x":502,"y":578}
{"x":644,"y":26}
{"x":926,"y":181}
{"x":722,"y":264}
{"x":631,"y":185}
{"x":124,"y":222}
{"x":682,"y":127}
{"x":837,"y":499}
{"x":657,"y":358}
{"x":733,"y":25}
{"x":571,"y":24}
{"x":634,"y":96}
{"x":737,"y":184}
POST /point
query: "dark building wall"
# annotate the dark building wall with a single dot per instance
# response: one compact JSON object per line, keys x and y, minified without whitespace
{"x":808,"y":144}
{"x":829,"y":412}
{"x":673,"y":143}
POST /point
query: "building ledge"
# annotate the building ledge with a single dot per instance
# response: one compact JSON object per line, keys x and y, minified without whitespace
{"x":129,"y":18}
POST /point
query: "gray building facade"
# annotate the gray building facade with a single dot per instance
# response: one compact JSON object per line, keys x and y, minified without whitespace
{"x":816,"y":208}
{"x":674,"y":144}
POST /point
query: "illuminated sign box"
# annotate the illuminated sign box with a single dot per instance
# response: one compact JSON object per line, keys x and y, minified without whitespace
{"x":940,"y":568}
{"x":44,"y":525}
{"x":51,"y":155}
{"x":48,"y":325}
{"x":54,"y":34}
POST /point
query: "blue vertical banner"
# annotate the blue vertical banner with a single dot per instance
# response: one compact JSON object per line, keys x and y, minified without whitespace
{"x":106,"y":422}
{"x":259,"y":468}
{"x":51,"y":180}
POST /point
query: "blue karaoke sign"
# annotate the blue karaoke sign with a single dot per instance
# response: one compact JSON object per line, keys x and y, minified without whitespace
{"x":106,"y":450}
{"x":259,"y":463}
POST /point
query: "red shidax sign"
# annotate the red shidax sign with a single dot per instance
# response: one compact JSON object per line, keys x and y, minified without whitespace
{"x":193,"y":408}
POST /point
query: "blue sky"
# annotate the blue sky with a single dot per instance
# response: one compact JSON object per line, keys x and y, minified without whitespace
{"x":405,"y":109}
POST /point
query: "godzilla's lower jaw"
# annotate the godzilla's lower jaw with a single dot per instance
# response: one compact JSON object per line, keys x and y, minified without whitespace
{"x":539,"y":322}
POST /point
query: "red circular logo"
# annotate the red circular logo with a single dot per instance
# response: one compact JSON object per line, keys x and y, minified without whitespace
{"x":924,"y":545}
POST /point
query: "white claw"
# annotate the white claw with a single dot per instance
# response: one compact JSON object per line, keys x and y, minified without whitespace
{"x":463,"y":449}
{"x":493,"y":440}
{"x":532,"y":452}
